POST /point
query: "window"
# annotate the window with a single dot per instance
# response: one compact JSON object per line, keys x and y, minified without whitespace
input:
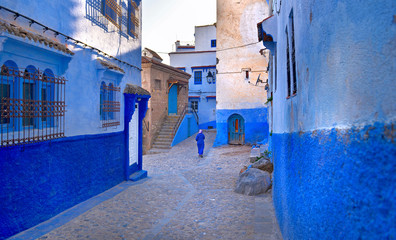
{"x":288,"y":65}
{"x":198,"y":77}
{"x":293,"y":55}
{"x":30,"y":109}
{"x":194,"y":105}
{"x":5,"y":87}
{"x":276,"y":70}
{"x":110,"y":107}
{"x":157,"y":84}
{"x":133,"y":21}
{"x":47,"y":97}
{"x":28,"y":104}
{"x":112,"y":11}
{"x":213,"y":43}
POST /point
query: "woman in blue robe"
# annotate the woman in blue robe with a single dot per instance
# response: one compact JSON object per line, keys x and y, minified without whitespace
{"x":200,"y":138}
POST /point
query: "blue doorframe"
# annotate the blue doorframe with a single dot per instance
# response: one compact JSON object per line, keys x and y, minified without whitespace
{"x":172,"y":100}
{"x":130,"y":100}
{"x":236,"y":129}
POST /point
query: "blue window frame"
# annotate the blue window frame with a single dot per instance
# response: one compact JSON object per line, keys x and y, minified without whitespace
{"x":103,"y":95}
{"x":213,"y":43}
{"x":198,"y":77}
{"x":47,"y":99}
{"x":29,"y":93}
{"x":194,"y":105}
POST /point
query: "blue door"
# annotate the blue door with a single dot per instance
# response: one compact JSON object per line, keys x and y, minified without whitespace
{"x":236,"y":129}
{"x":172,"y":100}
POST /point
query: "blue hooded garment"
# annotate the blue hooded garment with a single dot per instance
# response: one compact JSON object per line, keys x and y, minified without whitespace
{"x":200,"y":138}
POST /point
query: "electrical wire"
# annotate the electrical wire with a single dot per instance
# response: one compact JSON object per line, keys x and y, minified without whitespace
{"x":225,"y":49}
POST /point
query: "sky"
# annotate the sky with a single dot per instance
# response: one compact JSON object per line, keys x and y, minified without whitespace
{"x":165,"y":21}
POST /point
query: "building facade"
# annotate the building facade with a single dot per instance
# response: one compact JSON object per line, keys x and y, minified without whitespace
{"x":169,"y":93}
{"x":71,"y":104}
{"x":241,"y":110}
{"x":199,"y":60}
{"x":334,"y":94}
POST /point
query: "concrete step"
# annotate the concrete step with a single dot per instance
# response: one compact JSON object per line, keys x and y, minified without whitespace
{"x":165,"y":141}
{"x":164,"y":137}
{"x":171,"y":125}
{"x":162,"y":146}
{"x":138,"y":175}
{"x":166,"y":130}
{"x":170,"y":134}
{"x":157,"y":151}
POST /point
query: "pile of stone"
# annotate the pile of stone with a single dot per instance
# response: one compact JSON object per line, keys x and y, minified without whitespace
{"x":256,"y":178}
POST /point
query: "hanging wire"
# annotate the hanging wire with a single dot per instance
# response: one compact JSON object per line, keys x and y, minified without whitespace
{"x":67,"y":38}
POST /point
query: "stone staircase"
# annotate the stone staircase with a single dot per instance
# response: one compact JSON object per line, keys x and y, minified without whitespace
{"x":165,"y":136}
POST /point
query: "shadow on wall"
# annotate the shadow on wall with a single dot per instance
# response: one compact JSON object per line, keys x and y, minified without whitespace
{"x":103,"y":15}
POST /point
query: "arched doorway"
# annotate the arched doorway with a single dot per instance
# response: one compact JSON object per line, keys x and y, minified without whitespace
{"x":236,"y":129}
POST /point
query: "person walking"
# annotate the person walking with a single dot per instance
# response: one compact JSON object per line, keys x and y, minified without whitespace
{"x":200,"y":138}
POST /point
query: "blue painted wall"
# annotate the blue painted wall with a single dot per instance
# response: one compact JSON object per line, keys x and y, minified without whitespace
{"x":336,"y":184}
{"x":333,"y":142}
{"x":207,"y":125}
{"x":187,"y":128}
{"x":41,"y":180}
{"x":256,"y":125}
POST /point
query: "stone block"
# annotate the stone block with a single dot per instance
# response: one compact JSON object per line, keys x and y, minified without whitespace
{"x":254,"y":154}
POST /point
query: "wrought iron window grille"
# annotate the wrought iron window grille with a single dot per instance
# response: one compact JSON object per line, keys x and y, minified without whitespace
{"x":110,"y":105}
{"x":32,"y":106}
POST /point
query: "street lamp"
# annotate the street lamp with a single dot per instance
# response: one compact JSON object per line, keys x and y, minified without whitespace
{"x":211,"y":77}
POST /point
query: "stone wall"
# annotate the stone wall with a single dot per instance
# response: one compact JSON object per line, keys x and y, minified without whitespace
{"x":238,"y":51}
{"x":158,"y":104}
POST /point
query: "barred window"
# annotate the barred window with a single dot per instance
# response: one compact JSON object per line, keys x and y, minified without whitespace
{"x":293,"y":53}
{"x":110,"y":106}
{"x":112,"y":11}
{"x":288,"y":65}
{"x":194,"y":105}
{"x":32,"y":105}
{"x":133,"y":20}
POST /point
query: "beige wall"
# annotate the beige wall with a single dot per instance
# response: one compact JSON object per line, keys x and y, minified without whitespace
{"x":158,"y":103}
{"x":237,"y":26}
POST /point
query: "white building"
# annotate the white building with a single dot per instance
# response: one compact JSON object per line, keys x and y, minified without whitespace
{"x":71,"y":107}
{"x":199,"y":60}
{"x":241,"y":111}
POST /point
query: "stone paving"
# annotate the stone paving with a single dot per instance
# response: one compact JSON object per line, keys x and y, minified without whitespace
{"x":185,"y":197}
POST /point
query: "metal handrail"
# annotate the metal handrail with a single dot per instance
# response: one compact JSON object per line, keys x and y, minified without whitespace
{"x":181,"y":117}
{"x":194,"y":112}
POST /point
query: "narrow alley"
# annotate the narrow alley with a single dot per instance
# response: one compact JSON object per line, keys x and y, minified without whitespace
{"x":184,"y":197}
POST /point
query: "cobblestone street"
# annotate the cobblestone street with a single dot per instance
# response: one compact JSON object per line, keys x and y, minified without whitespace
{"x":185,"y":197}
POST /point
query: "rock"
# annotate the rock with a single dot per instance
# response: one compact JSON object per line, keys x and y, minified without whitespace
{"x":254,"y":154}
{"x":264,"y":151}
{"x":253,"y":181}
{"x":264,"y":164}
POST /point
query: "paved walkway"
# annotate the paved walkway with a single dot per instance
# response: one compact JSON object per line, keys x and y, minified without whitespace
{"x":185,"y":197}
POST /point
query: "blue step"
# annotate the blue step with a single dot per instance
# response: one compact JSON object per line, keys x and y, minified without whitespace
{"x":136,"y":176}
